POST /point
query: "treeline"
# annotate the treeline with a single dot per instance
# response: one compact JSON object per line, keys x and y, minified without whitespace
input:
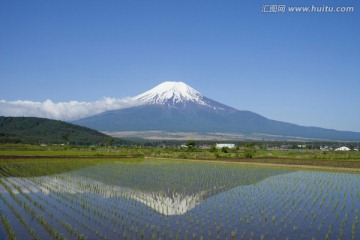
{"x":243,"y":144}
{"x":32,"y":130}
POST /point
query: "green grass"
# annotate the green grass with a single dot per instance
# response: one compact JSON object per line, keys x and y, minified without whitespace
{"x":64,"y":151}
{"x":28,"y":167}
{"x":350,"y":159}
{"x":31,"y":167}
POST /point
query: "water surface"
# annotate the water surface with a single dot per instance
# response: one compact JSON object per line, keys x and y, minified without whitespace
{"x":164,"y":199}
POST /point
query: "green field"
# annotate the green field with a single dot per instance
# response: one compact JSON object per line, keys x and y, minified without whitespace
{"x":337,"y":159}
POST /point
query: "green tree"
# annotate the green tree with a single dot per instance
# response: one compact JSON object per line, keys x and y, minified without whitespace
{"x":225,"y":149}
{"x":66,"y":137}
{"x":249,"y":150}
{"x":213,"y":148}
{"x":110,"y":141}
{"x":190,"y":145}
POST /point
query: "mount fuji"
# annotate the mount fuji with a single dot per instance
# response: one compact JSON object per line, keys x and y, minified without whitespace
{"x":177,"y":107}
{"x":177,"y":95}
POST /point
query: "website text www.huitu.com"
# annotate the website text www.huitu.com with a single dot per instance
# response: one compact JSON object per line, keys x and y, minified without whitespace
{"x":306,"y":9}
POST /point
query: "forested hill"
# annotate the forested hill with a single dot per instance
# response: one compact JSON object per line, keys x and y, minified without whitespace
{"x":45,"y":131}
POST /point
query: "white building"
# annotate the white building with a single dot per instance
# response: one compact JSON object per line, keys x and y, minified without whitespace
{"x":342,"y":149}
{"x":228,"y":145}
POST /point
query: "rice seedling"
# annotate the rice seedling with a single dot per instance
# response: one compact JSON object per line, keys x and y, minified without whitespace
{"x":167,"y":200}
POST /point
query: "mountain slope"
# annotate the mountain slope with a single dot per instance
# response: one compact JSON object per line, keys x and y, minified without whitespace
{"x":40,"y":130}
{"x":176,"y":107}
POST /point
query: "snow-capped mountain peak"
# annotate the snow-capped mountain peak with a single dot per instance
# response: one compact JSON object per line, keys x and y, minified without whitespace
{"x":171,"y":93}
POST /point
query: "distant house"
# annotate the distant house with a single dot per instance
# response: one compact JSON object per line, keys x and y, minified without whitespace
{"x":325,"y":148}
{"x":205,"y":146}
{"x":285,"y":146}
{"x":228,"y":145}
{"x":342,"y":149}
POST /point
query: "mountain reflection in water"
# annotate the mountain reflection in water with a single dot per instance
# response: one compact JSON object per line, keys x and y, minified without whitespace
{"x":170,"y":188}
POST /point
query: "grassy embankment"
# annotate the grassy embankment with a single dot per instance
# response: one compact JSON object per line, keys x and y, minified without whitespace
{"x":30,"y":160}
{"x":23,"y":153}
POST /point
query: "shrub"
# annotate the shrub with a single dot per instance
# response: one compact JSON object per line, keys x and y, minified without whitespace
{"x":183,"y":156}
{"x":225,"y":149}
{"x":249,"y":152}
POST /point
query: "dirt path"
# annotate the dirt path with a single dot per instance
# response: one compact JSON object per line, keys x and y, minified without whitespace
{"x":297,"y":166}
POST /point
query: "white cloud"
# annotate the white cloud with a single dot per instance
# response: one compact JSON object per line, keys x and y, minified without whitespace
{"x":62,"y":110}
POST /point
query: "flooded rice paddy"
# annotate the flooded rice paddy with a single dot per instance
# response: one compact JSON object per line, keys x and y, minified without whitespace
{"x":181,"y":200}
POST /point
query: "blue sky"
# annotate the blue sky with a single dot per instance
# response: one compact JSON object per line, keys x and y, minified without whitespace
{"x":302,"y":68}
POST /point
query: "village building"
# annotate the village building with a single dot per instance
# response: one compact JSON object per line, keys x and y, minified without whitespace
{"x":342,"y":149}
{"x":227,"y":145}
